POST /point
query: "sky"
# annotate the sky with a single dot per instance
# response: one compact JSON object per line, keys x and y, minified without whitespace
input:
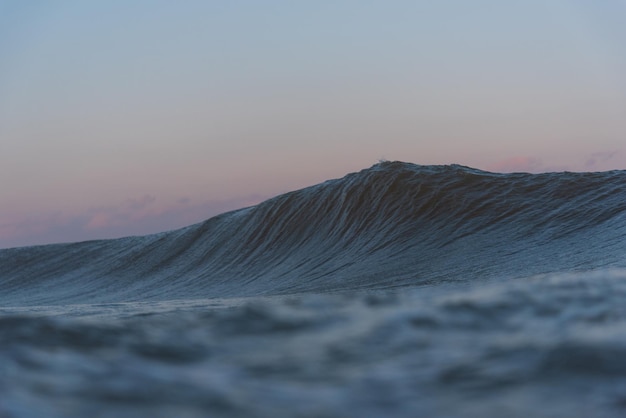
{"x":127,"y":117}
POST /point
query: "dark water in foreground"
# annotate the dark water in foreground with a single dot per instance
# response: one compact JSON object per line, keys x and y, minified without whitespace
{"x":401,"y":290}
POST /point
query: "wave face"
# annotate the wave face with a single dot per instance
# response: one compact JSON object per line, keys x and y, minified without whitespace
{"x":392,"y":225}
{"x":388,"y":292}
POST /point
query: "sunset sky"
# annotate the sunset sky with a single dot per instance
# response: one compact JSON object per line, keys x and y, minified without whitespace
{"x":125,"y":117}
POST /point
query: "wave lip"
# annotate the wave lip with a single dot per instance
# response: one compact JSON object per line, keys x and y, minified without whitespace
{"x":394,"y":224}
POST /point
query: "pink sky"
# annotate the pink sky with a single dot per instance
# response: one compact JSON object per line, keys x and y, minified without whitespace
{"x":185,"y":111}
{"x":147,"y":214}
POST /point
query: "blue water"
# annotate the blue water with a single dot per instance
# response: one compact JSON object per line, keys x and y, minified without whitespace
{"x":400,"y":290}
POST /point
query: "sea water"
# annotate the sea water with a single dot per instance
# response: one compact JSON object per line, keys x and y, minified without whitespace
{"x":401,"y":290}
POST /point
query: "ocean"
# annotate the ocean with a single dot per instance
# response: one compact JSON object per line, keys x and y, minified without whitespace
{"x":401,"y":290}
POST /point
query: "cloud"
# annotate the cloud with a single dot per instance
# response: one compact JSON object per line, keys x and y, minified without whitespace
{"x":41,"y":228}
{"x":99,"y":220}
{"x":29,"y":225}
{"x":133,"y":209}
{"x":135,"y":216}
{"x":597,"y":160}
{"x":141,"y":203}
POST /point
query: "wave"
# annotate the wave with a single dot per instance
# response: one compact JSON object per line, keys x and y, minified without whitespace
{"x":392,"y":225}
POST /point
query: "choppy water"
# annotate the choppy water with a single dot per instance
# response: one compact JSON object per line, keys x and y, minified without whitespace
{"x":401,"y":290}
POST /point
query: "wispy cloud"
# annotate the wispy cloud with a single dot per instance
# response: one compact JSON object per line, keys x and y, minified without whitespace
{"x":596,"y":161}
{"x":134,"y":209}
{"x":136,"y":216}
{"x":600,"y":160}
{"x":29,"y":225}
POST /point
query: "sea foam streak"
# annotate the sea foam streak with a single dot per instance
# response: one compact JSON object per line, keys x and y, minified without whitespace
{"x":401,"y":290}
